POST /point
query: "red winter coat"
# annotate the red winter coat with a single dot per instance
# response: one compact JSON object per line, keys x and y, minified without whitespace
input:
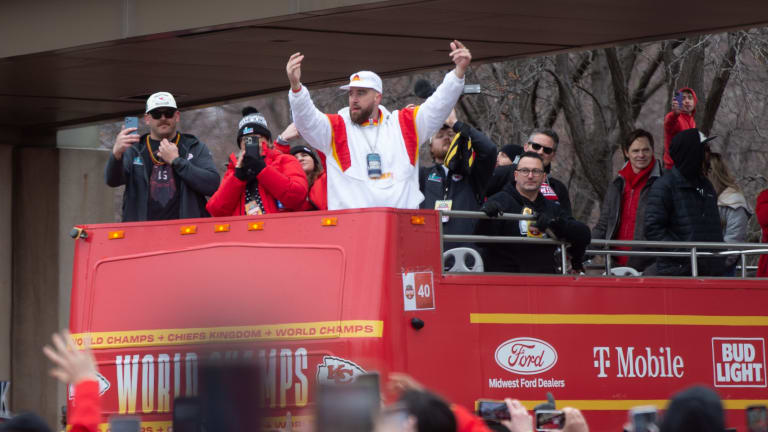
{"x":674,"y":123}
{"x":317,"y":199}
{"x":761,"y":209}
{"x":282,"y":179}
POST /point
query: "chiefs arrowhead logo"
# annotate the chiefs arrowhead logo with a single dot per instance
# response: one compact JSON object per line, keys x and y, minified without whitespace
{"x":337,"y":370}
{"x":356,"y":78}
{"x":104,"y":385}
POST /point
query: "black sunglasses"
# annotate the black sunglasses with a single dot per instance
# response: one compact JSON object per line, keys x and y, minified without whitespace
{"x":156,"y":114}
{"x":537,"y":147}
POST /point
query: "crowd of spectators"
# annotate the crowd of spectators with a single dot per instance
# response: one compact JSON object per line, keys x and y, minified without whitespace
{"x":368,"y":156}
{"x":225,"y":403}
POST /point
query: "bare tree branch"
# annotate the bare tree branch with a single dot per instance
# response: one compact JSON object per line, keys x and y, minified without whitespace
{"x":720,"y":81}
{"x":620,"y":92}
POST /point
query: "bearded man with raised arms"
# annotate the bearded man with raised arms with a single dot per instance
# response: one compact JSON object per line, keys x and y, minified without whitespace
{"x":373,"y":153}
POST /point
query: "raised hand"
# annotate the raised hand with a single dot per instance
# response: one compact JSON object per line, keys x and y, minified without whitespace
{"x":71,"y":364}
{"x":124,"y":140}
{"x":293,"y":69}
{"x":452,"y":119}
{"x":461,"y":56}
{"x":519,"y":419}
{"x":290,"y":132}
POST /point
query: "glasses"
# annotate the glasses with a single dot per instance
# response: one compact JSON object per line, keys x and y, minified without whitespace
{"x":156,"y":114}
{"x":527,"y":171}
{"x":537,"y":147}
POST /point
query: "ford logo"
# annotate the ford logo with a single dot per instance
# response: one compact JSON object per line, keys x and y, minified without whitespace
{"x":526,"y":356}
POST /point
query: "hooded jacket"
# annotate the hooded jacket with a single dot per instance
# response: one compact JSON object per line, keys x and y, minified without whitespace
{"x":682,"y":207}
{"x":504,"y":175}
{"x":610,"y":213}
{"x":675,"y":123}
{"x":761,"y":209}
{"x":282,"y":179}
{"x":526,"y":257}
{"x":194,"y":167}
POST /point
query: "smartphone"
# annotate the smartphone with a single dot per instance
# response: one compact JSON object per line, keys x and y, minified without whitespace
{"x":549,"y":420}
{"x":132,"y":122}
{"x":350,"y":407}
{"x":757,"y":418}
{"x":492,"y":410}
{"x":643,"y":418}
{"x":124,"y":424}
{"x":679,"y":99}
{"x":472,"y":89}
{"x":187,"y":415}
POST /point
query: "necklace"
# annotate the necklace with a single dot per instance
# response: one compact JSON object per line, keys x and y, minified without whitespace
{"x":151,"y":155}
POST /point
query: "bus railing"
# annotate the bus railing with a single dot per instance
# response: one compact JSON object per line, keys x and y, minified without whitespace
{"x":694,"y":249}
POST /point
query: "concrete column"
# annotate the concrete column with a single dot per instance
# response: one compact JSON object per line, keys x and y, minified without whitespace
{"x":36,"y":298}
{"x":6,"y":189}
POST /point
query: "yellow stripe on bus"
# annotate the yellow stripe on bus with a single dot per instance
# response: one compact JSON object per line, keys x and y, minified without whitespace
{"x":255,"y":333}
{"x":626,"y":404}
{"x":619,"y":319}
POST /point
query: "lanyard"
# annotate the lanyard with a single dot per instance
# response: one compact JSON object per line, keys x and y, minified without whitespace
{"x":149,"y":149}
{"x":378,"y":133}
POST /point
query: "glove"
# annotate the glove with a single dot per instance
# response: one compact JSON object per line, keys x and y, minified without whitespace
{"x":492,"y":209}
{"x":252,"y":164}
{"x":546,"y":220}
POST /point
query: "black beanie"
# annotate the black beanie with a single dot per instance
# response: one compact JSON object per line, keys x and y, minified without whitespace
{"x":252,"y":123}
{"x":696,"y":409}
{"x":512,"y":151}
{"x":25,"y":422}
{"x":308,"y":150}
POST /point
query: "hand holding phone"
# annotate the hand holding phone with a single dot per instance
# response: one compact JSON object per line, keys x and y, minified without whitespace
{"x":643,"y":419}
{"x":492,"y":410}
{"x":757,"y":418}
{"x":549,"y":420}
{"x":132,"y":122}
{"x":678,"y":100}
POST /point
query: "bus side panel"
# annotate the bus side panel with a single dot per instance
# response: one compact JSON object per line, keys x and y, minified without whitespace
{"x":600,"y":345}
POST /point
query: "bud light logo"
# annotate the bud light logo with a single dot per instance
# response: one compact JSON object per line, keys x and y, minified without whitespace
{"x":526,"y":356}
{"x":739,"y":362}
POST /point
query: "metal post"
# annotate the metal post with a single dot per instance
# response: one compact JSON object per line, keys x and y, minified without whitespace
{"x":694,"y":263}
{"x":608,"y":264}
{"x":743,"y":265}
{"x":564,"y":257}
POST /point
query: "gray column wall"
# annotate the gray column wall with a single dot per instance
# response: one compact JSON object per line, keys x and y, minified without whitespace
{"x":6,"y":169}
{"x":35,"y":279}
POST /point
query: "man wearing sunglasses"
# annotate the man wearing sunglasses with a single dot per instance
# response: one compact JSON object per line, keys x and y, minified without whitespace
{"x":523,"y":196}
{"x":166,"y":174}
{"x":544,"y":142}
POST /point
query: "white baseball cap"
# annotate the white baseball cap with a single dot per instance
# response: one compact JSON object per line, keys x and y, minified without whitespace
{"x":161,"y":100}
{"x":364,"y":79}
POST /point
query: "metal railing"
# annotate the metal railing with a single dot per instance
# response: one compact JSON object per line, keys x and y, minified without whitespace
{"x":693,"y":248}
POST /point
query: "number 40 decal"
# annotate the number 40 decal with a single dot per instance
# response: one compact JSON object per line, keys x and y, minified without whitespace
{"x":418,"y":291}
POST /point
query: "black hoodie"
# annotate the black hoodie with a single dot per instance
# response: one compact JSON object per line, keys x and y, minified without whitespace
{"x":682,"y":207}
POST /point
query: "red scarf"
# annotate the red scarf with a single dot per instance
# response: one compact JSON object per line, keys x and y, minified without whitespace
{"x":633,"y":185}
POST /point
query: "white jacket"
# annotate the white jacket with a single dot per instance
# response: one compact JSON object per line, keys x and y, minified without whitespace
{"x":348,"y":183}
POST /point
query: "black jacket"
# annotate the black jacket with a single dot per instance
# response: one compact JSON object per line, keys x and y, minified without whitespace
{"x":505,"y":175}
{"x":678,"y":210}
{"x":608,"y":224}
{"x":529,"y":258}
{"x":194,"y":167}
{"x":466,"y":191}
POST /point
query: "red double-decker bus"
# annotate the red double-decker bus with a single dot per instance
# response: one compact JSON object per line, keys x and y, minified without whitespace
{"x":326,"y":296}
